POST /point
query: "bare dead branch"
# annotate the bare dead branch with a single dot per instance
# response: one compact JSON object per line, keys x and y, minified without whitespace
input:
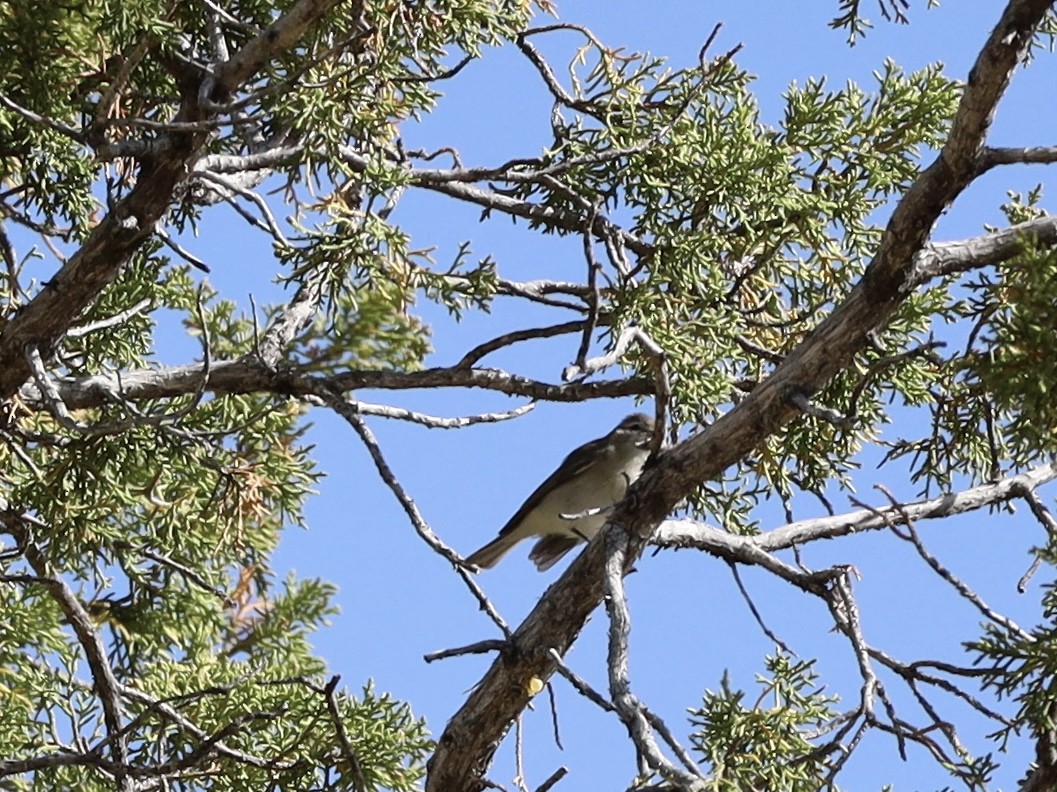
{"x":348,"y":412}
{"x":436,"y":422}
{"x":1029,"y":155}
{"x":626,"y":703}
{"x":945,"y":505}
{"x":250,"y":375}
{"x":964,"y":590}
{"x":481,"y":647}
{"x":947,"y":258}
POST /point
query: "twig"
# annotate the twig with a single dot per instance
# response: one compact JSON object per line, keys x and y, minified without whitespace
{"x":444,"y":75}
{"x":583,"y":687}
{"x":593,"y":303}
{"x":580,"y":685}
{"x":922,"y":350}
{"x":624,"y":340}
{"x":57,"y":407}
{"x":347,"y":749}
{"x":552,"y":701}
{"x":519,"y":758}
{"x":183,"y":253}
{"x":36,"y":118}
{"x":481,"y":647}
{"x":662,"y":386}
{"x":821,"y":413}
{"x":105,"y":682}
{"x":553,"y":779}
{"x":266,"y":213}
{"x":845,"y":613}
{"x":1022,"y":584}
{"x":962,"y":588}
{"x":348,"y":412}
{"x":755,"y":613}
{"x":513,"y":337}
{"x":1042,"y":514}
{"x":436,"y":422}
{"x":111,"y":321}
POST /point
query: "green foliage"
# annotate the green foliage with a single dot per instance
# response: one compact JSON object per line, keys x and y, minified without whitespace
{"x":991,"y":402}
{"x":851,"y":18}
{"x":768,"y":744}
{"x":756,"y":232}
{"x":1015,"y":363}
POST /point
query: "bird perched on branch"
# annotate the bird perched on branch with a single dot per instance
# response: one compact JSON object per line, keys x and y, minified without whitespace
{"x":571,"y":505}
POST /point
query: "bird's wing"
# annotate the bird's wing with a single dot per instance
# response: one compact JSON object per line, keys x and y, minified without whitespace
{"x":573,"y":465}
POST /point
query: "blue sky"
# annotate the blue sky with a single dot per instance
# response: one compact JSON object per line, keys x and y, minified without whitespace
{"x":399,"y":600}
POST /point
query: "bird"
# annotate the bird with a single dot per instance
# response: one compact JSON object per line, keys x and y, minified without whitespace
{"x":593,"y":477}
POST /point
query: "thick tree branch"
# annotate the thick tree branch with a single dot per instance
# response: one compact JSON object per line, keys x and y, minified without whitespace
{"x":1031,"y":155}
{"x":282,"y":34}
{"x":947,"y":258}
{"x":294,"y":318}
{"x":250,"y":375}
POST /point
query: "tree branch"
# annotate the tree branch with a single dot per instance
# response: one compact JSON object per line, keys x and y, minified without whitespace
{"x":947,"y":258}
{"x":690,"y":533}
{"x":1030,"y":155}
{"x":250,"y":375}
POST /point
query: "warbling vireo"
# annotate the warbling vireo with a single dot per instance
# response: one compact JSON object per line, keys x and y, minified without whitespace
{"x":593,"y":477}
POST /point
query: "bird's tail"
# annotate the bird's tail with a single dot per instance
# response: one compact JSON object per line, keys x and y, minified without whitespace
{"x":489,"y":555}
